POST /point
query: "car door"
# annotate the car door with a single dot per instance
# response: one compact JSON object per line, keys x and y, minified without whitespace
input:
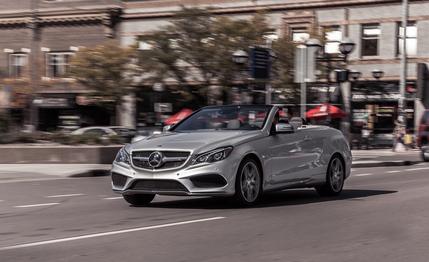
{"x":312,"y":149}
{"x":285,"y":157}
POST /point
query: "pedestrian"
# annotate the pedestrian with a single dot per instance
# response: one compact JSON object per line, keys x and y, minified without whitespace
{"x":399,"y":135}
{"x":366,"y":133}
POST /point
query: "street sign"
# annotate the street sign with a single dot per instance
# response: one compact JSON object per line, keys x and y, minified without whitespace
{"x":163,"y":107}
{"x":260,"y":62}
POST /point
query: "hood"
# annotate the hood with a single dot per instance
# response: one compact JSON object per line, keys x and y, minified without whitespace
{"x":194,"y":141}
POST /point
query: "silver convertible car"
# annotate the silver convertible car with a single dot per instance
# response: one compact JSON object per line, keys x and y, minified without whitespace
{"x":239,"y":150}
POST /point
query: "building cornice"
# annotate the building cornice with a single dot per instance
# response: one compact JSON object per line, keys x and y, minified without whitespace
{"x":160,"y":9}
{"x":55,"y":16}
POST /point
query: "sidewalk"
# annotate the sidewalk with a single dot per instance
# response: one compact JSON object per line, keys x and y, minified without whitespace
{"x":9,"y":172}
{"x":385,"y":157}
{"x":361,"y":158}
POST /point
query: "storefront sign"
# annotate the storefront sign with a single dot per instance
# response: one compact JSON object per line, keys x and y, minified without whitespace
{"x":163,"y":107}
{"x":52,"y":102}
{"x":372,"y":97}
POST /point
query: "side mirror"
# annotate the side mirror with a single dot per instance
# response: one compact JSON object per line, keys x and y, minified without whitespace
{"x":282,"y":128}
{"x":166,"y":128}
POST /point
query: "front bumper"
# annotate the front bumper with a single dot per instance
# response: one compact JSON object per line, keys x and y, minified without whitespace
{"x":212,"y":179}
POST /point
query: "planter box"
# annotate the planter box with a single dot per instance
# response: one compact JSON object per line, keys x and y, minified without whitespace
{"x":41,"y":154}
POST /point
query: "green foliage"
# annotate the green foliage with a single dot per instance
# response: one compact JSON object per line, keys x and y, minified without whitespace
{"x":105,"y":69}
{"x":197,"y":48}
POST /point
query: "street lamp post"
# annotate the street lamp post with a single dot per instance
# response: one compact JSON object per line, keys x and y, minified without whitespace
{"x":354,"y":75}
{"x":240,"y":57}
{"x":345,"y":47}
{"x":377,"y":74}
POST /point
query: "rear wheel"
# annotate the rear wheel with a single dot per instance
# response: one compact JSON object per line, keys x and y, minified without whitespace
{"x":139,"y":199}
{"x":248,"y":185}
{"x":425,"y":153}
{"x":334,"y":178}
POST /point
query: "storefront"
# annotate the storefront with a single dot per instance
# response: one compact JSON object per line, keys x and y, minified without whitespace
{"x":374,"y":105}
{"x":68,"y":112}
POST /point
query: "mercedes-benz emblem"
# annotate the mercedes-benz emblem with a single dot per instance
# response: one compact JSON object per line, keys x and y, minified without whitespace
{"x":155,"y":159}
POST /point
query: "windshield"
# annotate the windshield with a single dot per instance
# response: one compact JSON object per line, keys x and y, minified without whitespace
{"x":225,"y":118}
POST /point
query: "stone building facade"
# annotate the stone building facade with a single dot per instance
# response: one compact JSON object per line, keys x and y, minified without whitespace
{"x":374,"y":25}
{"x":37,"y":40}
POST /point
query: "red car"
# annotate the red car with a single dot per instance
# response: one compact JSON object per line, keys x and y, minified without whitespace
{"x":423,"y":136}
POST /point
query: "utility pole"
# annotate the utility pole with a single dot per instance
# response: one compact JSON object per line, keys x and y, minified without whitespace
{"x":34,"y":65}
{"x":401,"y":122}
{"x":403,"y":80}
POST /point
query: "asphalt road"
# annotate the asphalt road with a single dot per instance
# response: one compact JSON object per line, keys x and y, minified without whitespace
{"x":382,"y":215}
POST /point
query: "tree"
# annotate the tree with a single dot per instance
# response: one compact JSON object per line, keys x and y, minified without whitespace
{"x":106,"y":70}
{"x":195,"y":52}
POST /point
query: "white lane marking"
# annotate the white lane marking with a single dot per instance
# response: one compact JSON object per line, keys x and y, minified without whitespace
{"x":113,"y":198}
{"x":393,"y":171}
{"x":38,"y":205}
{"x":59,"y":240}
{"x":1,"y":200}
{"x":366,"y":174}
{"x":415,"y":169}
{"x":67,"y":195}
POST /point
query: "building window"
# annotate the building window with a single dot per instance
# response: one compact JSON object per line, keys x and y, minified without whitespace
{"x":17,"y":65}
{"x":370,"y":38}
{"x":411,"y":39}
{"x":58,"y":64}
{"x":333,"y":36}
{"x":300,"y":34}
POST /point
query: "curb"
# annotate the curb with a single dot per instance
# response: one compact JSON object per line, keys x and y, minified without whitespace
{"x":360,"y":164}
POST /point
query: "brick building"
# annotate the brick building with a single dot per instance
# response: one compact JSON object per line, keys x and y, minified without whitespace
{"x":374,"y":25}
{"x":37,"y":39}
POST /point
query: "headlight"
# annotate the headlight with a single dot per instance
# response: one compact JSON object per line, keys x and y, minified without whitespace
{"x":212,"y":156}
{"x":123,"y":157}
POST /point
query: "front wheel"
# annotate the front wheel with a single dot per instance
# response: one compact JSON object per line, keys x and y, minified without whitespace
{"x":248,"y":185}
{"x":139,"y":199}
{"x":334,"y":178}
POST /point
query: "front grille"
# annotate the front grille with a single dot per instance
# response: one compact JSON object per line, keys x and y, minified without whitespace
{"x":170,"y":159}
{"x":119,"y":180}
{"x":158,"y":185}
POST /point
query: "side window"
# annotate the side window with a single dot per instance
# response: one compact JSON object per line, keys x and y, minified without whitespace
{"x":96,"y":132}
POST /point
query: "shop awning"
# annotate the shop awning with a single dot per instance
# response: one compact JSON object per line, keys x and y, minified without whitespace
{"x":324,"y":110}
{"x":178,"y":116}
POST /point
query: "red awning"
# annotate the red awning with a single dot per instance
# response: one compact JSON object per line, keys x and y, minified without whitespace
{"x":178,"y":116}
{"x":324,"y":110}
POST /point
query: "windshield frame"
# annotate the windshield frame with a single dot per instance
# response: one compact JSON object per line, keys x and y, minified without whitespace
{"x":268,"y":107}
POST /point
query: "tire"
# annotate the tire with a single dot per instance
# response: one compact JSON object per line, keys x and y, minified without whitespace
{"x":425,"y":154}
{"x":139,"y":199}
{"x":248,"y":184}
{"x":334,"y":178}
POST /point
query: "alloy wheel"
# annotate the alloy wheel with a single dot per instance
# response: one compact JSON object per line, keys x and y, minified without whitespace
{"x":336,"y":175}
{"x":250,"y":182}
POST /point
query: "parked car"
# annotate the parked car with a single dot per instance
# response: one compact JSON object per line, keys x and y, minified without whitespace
{"x":144,"y":132}
{"x":239,"y":151}
{"x":107,"y":131}
{"x":423,"y":136}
